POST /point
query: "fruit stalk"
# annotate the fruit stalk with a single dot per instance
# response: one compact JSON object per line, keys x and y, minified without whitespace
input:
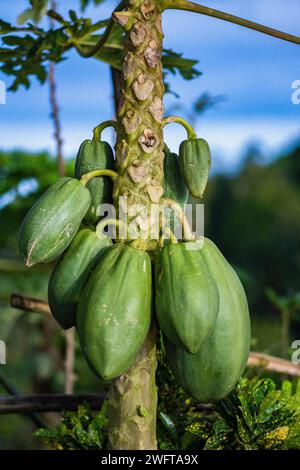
{"x":139,"y":155}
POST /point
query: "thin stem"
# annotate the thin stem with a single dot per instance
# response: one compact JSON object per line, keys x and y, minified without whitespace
{"x":170,"y":234}
{"x":48,"y":403}
{"x":11,"y":389}
{"x":92,"y":174}
{"x":55,"y":110}
{"x":194,"y":7}
{"x":116,"y":78}
{"x":187,"y":232}
{"x":285,"y":331}
{"x":104,"y":125}
{"x":189,"y":129}
{"x":91,"y":52}
{"x":29,"y":304}
{"x":104,"y":223}
{"x":70,"y":376}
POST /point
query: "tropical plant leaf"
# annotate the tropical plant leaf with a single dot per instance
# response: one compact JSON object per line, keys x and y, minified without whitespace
{"x":174,"y":62}
{"x":85,"y":3}
{"x":169,"y":426}
{"x":35,"y":13}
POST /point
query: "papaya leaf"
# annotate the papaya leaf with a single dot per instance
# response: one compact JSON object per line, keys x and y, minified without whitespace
{"x":36,"y":13}
{"x":85,"y":3}
{"x":27,"y":55}
{"x":174,"y":62}
{"x":5,"y":27}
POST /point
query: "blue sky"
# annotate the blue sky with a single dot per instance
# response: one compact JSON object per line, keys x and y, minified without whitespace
{"x":253,"y":71}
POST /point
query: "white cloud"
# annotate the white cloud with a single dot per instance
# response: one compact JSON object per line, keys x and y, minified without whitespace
{"x":228,"y":140}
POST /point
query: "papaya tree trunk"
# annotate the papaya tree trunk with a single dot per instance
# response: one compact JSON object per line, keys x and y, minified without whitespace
{"x":133,"y":402}
{"x":139,"y":160}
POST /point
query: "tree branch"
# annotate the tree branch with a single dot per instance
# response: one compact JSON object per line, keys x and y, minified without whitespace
{"x":194,"y":7}
{"x":48,"y":403}
{"x":56,"y":119}
{"x":273,"y":364}
{"x":9,"y":387}
{"x":29,"y":304}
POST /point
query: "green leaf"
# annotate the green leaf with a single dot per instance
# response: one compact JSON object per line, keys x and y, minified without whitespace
{"x":261,"y":389}
{"x":85,"y":3}
{"x":169,"y":425}
{"x":173,"y":61}
{"x":73,"y":16}
{"x":5,"y":27}
{"x":36,"y":13}
{"x":25,"y":16}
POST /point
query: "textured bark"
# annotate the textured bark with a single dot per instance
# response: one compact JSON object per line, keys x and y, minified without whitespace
{"x":139,"y":155}
{"x":139,"y":147}
{"x":133,"y":402}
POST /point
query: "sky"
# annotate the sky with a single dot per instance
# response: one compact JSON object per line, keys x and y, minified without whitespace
{"x":254,"y":74}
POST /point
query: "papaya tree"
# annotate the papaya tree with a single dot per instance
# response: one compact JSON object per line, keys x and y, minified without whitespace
{"x":123,"y":286}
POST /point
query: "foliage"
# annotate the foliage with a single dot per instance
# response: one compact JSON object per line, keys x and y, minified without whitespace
{"x":35,"y":13}
{"x":26,"y":51}
{"x":85,"y":3}
{"x":291,"y":303}
{"x":255,"y":416}
{"x":83,"y":430}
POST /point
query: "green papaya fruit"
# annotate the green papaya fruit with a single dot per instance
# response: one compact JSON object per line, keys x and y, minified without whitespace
{"x":174,"y":186}
{"x":52,"y":222}
{"x":195,"y":163}
{"x":186,"y":296}
{"x":71,"y":273}
{"x":95,"y":155}
{"x":213,"y":371}
{"x":114,"y":312}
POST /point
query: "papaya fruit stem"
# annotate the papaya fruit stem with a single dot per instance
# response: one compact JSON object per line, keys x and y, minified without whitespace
{"x":167,"y":233}
{"x":92,"y":174}
{"x":100,"y":128}
{"x":189,"y":129}
{"x":187,"y":231}
{"x":104,"y":223}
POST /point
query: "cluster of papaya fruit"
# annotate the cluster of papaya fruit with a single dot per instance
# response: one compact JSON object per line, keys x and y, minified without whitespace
{"x":200,"y":302}
{"x":106,"y":289}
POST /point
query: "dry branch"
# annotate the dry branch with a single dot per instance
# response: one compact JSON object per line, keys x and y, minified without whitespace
{"x":48,"y":403}
{"x":273,"y":364}
{"x":29,"y":304}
